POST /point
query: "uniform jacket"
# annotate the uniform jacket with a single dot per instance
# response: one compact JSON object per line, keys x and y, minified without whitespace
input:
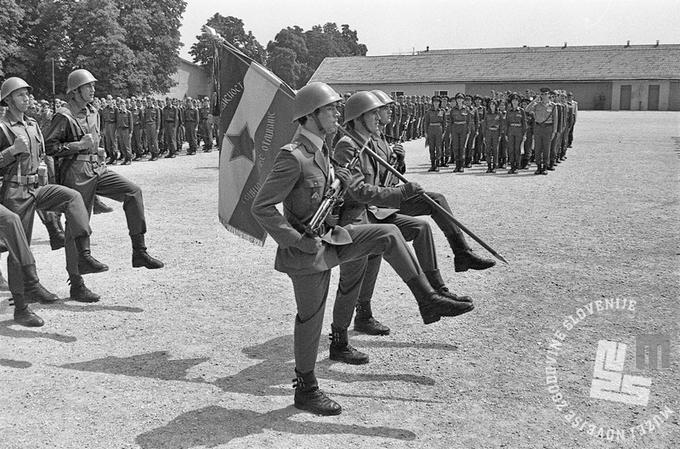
{"x":434,"y":116}
{"x":460,"y":116}
{"x":125,"y":120}
{"x":109,"y":115}
{"x":299,"y":179}
{"x":366,"y":190}
{"x":515,"y":120}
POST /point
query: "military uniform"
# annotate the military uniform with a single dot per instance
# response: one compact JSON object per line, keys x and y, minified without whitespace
{"x":137,"y":131}
{"x":205,"y":125}
{"x":515,"y":121}
{"x":152,"y":125}
{"x":545,"y":128}
{"x":460,"y":118}
{"x":434,"y":123}
{"x":529,"y":140}
{"x":108,"y":118}
{"x":492,"y":134}
{"x":124,"y":127}
{"x":191,"y":119}
{"x":170,"y":119}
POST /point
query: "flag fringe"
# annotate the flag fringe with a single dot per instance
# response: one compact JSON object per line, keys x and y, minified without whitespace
{"x":240,"y":233}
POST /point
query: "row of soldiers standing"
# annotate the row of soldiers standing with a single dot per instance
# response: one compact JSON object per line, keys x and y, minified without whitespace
{"x":465,"y":129}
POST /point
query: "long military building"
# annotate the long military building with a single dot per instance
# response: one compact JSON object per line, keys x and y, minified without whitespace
{"x":605,"y":77}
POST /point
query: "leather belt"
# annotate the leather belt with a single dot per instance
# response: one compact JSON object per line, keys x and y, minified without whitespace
{"x":492,"y":128}
{"x":460,"y":123}
{"x":515,"y":124}
{"x":435,"y":124}
{"x":24,"y":180}
{"x":87,"y":157}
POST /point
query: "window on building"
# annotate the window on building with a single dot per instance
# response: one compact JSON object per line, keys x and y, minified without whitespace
{"x":441,"y":93}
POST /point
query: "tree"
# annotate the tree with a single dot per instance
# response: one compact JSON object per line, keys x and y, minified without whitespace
{"x":232,"y":30}
{"x":10,"y":18}
{"x":282,"y":62}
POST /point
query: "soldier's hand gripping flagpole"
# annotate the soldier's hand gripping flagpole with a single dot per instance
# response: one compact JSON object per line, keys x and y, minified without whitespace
{"x":429,"y":200}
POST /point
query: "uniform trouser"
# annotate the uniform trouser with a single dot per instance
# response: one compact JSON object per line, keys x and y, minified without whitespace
{"x":137,"y":146}
{"x":311,"y":290}
{"x":110,"y":185}
{"x":180,"y":137}
{"x":571,"y":133}
{"x":23,"y":201}
{"x":434,"y":141}
{"x":469,"y":150}
{"x":206,"y":134}
{"x":492,"y":147}
{"x":555,"y":147}
{"x":458,"y":136}
{"x":542,"y":143}
{"x":110,"y":144}
{"x":190,"y":129}
{"x":13,"y":235}
{"x":353,"y":273}
{"x":502,"y":149}
{"x":446,"y":144}
{"x":564,"y":143}
{"x":124,"y":139}
{"x":170,"y":137}
{"x":528,"y":143}
{"x":152,"y":138}
{"x":515,"y":147}
{"x":479,"y":148}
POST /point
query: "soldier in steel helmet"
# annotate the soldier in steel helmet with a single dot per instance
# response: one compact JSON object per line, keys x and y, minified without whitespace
{"x":73,"y":140}
{"x":301,"y":175}
{"x":25,"y":189}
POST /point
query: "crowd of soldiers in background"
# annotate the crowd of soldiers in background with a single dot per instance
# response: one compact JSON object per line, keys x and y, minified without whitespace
{"x":139,"y":127}
{"x":491,"y":129}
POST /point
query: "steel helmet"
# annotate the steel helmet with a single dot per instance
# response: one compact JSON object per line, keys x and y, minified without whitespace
{"x":312,"y":97}
{"x":77,"y":78}
{"x":382,"y":96}
{"x":360,"y":103}
{"x":10,"y":85}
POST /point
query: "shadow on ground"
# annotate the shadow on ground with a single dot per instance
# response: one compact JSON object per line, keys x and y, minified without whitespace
{"x":214,"y":426}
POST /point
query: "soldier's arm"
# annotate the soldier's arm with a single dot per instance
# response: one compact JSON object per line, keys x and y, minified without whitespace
{"x":59,"y":138}
{"x":274,"y":190}
{"x":7,"y":156}
{"x":363,"y":190}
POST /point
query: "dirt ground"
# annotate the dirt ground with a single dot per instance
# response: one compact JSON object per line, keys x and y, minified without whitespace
{"x":199,"y":354}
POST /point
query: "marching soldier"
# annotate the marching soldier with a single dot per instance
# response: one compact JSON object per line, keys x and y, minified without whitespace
{"x":25,"y":189}
{"x":545,"y":128}
{"x":73,"y":139}
{"x":460,"y":118}
{"x":434,"y":121}
{"x":515,"y":132}
{"x":301,"y":174}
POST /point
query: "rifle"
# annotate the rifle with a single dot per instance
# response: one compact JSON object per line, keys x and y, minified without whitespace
{"x":332,"y":197}
{"x":427,"y":199}
{"x":389,"y":177}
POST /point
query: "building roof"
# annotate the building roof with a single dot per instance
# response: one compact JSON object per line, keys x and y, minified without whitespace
{"x":593,"y":63}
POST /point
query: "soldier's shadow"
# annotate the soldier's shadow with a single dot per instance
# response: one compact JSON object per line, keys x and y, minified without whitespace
{"x":9,"y":329}
{"x":215,"y":426}
{"x":68,"y":305}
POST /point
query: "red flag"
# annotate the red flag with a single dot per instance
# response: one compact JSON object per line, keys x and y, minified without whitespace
{"x":256,"y":110}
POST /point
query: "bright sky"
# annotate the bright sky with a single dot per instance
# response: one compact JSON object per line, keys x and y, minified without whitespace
{"x":399,"y":26}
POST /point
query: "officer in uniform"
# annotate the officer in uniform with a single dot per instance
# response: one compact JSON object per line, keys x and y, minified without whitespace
{"x":108,"y":117}
{"x":545,"y":128}
{"x":190,"y":119}
{"x":170,"y":119}
{"x":152,"y":125}
{"x":515,"y":131}
{"x":73,"y":140}
{"x":24,"y":190}
{"x":434,"y":124}
{"x":460,"y":117}
{"x":124,"y":126}
{"x":299,"y":179}
{"x":205,"y":125}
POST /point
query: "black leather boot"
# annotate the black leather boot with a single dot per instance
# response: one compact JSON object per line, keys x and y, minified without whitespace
{"x":366,"y":324}
{"x":100,"y":207}
{"x":23,"y":315}
{"x":140,"y":258}
{"x":54,"y":230}
{"x":308,"y":396}
{"x":79,"y":292}
{"x":86,"y":263}
{"x":342,"y":351}
{"x":432,"y":305}
{"x":468,"y":260}
{"x":434,"y":277}
{"x":33,"y":290}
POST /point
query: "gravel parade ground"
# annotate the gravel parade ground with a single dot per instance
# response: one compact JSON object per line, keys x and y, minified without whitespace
{"x":199,"y":354}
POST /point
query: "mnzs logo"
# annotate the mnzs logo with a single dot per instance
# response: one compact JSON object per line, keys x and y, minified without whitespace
{"x":609,"y":382}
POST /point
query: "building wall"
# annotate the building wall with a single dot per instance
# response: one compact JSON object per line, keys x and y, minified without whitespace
{"x":191,"y":82}
{"x":427,"y":89}
{"x":640,"y":94}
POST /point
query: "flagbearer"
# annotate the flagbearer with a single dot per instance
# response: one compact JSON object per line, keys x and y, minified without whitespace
{"x":301,"y":175}
{"x":73,"y":140}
